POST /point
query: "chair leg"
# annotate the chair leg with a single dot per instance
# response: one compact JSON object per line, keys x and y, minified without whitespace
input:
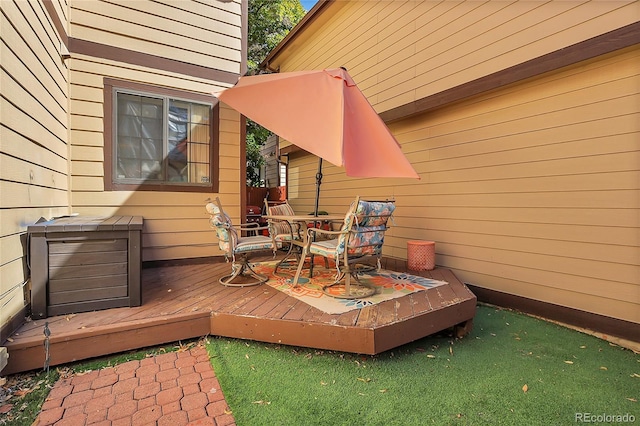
{"x":303,"y":255}
{"x":283,"y":263}
{"x":242,"y":269}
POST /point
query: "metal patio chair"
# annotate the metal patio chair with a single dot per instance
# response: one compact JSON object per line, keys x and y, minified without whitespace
{"x":360,"y":238}
{"x":283,"y":231}
{"x":239,"y":248}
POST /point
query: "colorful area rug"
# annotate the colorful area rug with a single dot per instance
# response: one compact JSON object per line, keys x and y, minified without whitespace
{"x":388,"y":284}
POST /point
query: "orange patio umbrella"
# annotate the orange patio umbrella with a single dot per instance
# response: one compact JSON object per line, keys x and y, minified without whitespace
{"x":324,"y":113}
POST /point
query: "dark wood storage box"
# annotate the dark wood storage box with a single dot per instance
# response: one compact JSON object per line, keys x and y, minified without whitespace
{"x":81,"y":264}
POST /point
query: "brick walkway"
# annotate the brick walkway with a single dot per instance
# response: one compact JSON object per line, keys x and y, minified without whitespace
{"x":173,"y":389}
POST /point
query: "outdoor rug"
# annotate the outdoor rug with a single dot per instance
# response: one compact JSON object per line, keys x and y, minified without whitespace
{"x":388,"y":284}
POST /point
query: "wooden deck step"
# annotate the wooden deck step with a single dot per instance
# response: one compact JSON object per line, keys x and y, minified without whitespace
{"x":186,"y":301}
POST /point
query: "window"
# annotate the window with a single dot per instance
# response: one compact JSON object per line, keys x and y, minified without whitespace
{"x":159,"y":140}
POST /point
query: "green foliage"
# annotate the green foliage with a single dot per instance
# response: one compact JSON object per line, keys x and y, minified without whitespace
{"x":269,"y":22}
{"x":256,"y":137}
{"x":511,"y":370}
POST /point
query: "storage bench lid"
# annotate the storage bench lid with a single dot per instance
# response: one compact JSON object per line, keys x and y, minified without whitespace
{"x":85,"y":223}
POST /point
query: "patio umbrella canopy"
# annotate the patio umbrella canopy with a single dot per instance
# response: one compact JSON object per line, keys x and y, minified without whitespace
{"x":324,"y":113}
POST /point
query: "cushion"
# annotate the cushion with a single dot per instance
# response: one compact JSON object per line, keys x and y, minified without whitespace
{"x":256,"y":243}
{"x":281,"y":229}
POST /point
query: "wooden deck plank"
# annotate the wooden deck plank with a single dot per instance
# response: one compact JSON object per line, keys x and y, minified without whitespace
{"x":198,"y":305}
{"x":459,"y":288}
{"x":248,"y":308}
{"x":421,"y":303}
{"x":99,"y":341}
{"x":386,"y":312}
{"x":404,"y":308}
{"x":313,"y":315}
{"x":281,"y":309}
{"x":269,"y":305}
{"x":226,"y":297}
{"x":349,"y":319}
{"x":156,"y":299}
{"x":254,"y":293}
{"x":297,"y":311}
{"x":368,"y":316}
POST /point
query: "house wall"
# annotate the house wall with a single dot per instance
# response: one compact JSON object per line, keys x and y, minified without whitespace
{"x":52,"y":128}
{"x":206,"y":39}
{"x":403,"y":51}
{"x":34,"y":147}
{"x":269,"y":152}
{"x":531,"y":189}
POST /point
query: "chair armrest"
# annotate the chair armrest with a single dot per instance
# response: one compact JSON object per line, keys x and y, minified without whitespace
{"x":252,"y":226}
{"x":249,"y":226}
{"x":292,"y":229}
{"x":323,"y":231}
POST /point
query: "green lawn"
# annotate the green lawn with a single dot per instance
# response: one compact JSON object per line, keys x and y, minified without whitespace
{"x":512,"y":369}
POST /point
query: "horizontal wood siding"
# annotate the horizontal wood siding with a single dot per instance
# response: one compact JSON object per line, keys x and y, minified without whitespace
{"x":399,"y":52}
{"x":531,"y":190}
{"x":206,"y":34}
{"x":33,"y":138}
{"x":201,"y":34}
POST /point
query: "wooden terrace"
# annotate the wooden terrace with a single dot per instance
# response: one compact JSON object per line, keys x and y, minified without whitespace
{"x":184,"y":301}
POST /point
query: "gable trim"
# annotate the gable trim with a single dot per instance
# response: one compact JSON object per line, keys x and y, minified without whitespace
{"x":132,"y":57}
{"x":57,"y":23}
{"x":597,"y":46}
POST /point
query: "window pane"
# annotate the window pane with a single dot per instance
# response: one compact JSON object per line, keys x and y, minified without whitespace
{"x":188,"y":125}
{"x":151,"y":149}
{"x":200,"y":133}
{"x":152,"y":110}
{"x":139,"y":137}
{"x":160,"y":139}
{"x":177,"y":157}
{"x":200,"y":172}
{"x":150,"y":170}
{"x":127,"y":168}
{"x":128,"y":147}
{"x":200,"y":114}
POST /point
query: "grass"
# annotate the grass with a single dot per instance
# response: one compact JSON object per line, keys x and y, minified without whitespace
{"x":24,"y":395}
{"x":512,"y":369}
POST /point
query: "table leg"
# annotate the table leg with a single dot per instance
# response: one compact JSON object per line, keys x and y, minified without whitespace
{"x":285,"y":258}
{"x":300,"y":266}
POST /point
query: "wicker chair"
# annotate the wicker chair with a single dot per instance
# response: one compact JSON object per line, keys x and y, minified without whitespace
{"x":238,"y":248}
{"x":360,"y":238}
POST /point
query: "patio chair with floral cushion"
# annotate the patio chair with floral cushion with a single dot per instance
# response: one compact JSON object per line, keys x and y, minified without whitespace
{"x":360,"y":238}
{"x":239,"y":248}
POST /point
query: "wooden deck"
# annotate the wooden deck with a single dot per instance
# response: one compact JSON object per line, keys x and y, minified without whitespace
{"x":185,"y":301}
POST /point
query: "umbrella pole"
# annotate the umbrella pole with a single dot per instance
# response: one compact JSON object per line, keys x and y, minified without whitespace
{"x":318,"y":183}
{"x":315,"y":210}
